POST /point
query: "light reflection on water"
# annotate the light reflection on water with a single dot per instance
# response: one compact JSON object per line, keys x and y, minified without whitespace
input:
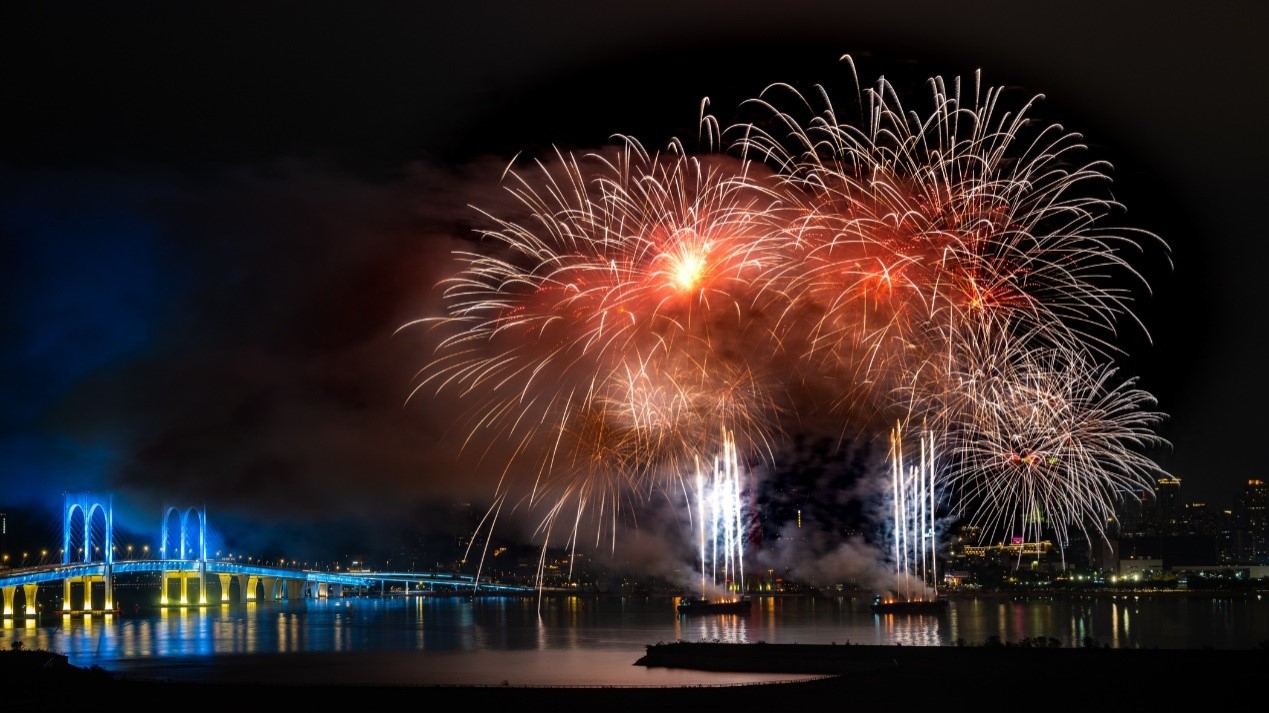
{"x":424,"y":640}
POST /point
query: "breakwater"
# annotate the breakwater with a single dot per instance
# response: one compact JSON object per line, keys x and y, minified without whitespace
{"x":948,"y":661}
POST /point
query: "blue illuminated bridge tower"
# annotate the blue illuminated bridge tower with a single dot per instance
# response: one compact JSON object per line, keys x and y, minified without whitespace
{"x":190,"y":544}
{"x":82,"y":543}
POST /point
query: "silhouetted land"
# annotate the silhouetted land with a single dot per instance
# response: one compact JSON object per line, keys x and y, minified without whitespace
{"x":856,"y":678}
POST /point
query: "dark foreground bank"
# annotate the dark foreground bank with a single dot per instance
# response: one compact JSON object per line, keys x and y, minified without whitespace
{"x":855,"y":677}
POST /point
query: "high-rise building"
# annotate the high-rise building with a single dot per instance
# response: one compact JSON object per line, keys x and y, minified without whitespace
{"x":1252,"y":528}
{"x":1168,"y":510}
{"x":1224,"y":527}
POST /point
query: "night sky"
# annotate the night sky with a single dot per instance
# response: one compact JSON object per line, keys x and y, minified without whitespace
{"x":215,"y":216}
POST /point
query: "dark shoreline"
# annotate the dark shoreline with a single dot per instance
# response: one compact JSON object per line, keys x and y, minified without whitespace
{"x":859,"y":677}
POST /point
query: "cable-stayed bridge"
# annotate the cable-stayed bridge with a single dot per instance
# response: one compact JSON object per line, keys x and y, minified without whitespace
{"x":185,"y":575}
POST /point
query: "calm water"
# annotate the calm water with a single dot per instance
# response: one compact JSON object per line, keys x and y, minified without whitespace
{"x":581,"y":640}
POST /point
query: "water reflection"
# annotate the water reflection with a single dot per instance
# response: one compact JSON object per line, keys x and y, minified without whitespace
{"x":723,"y":628}
{"x":910,"y":630}
{"x":489,"y":631}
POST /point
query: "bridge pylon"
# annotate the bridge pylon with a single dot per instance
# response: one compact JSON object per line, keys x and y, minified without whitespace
{"x":189,"y":527}
{"x":88,"y":505}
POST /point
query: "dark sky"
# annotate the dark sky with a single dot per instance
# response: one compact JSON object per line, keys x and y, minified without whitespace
{"x":215,"y":215}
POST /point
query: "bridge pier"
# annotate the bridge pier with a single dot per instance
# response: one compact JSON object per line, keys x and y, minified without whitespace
{"x":225,"y":579}
{"x":86,"y":602}
{"x":29,"y":590}
{"x":184,"y":578}
{"x":328,"y":590}
{"x":109,"y":579}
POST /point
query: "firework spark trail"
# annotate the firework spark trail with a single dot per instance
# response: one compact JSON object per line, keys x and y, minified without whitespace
{"x":952,"y":268}
{"x":631,"y":271}
{"x":927,"y":237}
{"x":721,"y":520}
{"x":1044,"y":435}
{"x":915,"y":228}
{"x":913,"y":502}
{"x":621,"y":320}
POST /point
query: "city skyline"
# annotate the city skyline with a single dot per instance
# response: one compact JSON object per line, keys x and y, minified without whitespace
{"x":210,"y":241}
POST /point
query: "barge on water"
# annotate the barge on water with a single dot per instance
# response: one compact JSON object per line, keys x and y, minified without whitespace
{"x":880,"y":605}
{"x":704,"y":605}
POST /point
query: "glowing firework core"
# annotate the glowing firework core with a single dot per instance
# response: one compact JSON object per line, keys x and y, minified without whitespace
{"x":688,"y":270}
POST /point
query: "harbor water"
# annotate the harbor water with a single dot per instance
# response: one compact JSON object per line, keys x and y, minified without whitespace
{"x":583,"y":640}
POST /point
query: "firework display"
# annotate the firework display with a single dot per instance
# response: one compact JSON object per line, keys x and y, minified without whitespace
{"x":954,"y":267}
{"x":721,"y":522}
{"x":914,"y":532}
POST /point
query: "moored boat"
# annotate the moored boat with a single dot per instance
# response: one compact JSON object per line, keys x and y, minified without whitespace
{"x":703,"y":605}
{"x":936,"y":605}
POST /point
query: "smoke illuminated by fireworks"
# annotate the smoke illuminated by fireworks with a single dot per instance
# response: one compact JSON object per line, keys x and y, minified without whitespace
{"x":952,"y":268}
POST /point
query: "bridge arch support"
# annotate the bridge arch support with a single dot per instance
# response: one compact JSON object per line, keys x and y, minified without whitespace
{"x":189,"y":527}
{"x":89,"y":506}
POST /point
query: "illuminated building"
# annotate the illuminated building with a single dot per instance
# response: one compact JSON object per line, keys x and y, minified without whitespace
{"x":1251,"y":528}
{"x":1168,"y":510}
